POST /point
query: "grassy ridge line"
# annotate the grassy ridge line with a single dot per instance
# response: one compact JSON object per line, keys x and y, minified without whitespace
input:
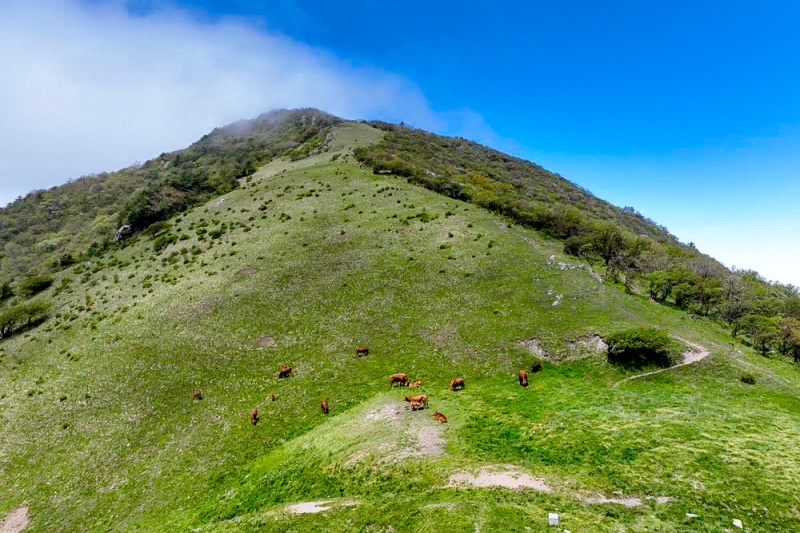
{"x":171,"y":462}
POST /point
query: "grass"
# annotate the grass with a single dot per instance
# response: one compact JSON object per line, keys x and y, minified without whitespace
{"x":111,"y":439}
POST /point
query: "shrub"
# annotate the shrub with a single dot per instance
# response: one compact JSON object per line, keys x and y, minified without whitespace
{"x":157,"y":228}
{"x":163,"y":241}
{"x":749,"y":379}
{"x":640,"y":347}
{"x":536,"y":365}
{"x":35,"y":285}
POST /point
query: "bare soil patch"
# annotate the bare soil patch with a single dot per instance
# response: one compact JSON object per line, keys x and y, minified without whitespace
{"x":318,"y":506}
{"x":533,"y":346}
{"x":630,"y":501}
{"x":586,"y":346}
{"x":309,"y":507}
{"x":510,"y":477}
{"x":15,"y":521}
{"x":266,"y":340}
{"x":414,"y":433}
{"x":207,"y":305}
{"x":248,"y":271}
{"x":505,"y":476}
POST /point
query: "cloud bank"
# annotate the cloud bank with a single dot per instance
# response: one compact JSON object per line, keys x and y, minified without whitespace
{"x":92,"y":87}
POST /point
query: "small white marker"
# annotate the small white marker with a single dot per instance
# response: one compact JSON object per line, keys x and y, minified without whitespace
{"x":552,"y":519}
{"x":737,"y":523}
{"x":691,"y":515}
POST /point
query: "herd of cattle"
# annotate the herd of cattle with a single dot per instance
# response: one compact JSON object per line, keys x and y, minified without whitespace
{"x":416,"y":402}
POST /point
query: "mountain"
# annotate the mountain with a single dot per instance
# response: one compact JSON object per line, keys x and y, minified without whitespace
{"x":437,"y":255}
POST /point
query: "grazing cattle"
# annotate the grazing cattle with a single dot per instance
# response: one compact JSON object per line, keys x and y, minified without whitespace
{"x":197,"y":394}
{"x":402,"y":379}
{"x":361,"y":350}
{"x":415,"y":405}
{"x":254,"y":416}
{"x":420,"y":398}
{"x":440,"y":417}
{"x":536,"y":366}
{"x":523,"y":378}
{"x":272,"y":396}
{"x":324,"y":405}
{"x":457,"y":383}
{"x":285,"y":371}
{"x":416,"y":383}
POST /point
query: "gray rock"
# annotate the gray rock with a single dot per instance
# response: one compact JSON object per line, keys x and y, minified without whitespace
{"x":122,"y":233}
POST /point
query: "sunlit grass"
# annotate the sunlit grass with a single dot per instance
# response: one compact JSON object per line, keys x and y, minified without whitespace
{"x":99,"y":430}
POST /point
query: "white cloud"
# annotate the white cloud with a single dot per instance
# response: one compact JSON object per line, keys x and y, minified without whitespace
{"x":90,"y":88}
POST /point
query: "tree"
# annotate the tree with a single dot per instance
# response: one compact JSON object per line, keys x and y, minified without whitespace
{"x":658,"y":284}
{"x":789,"y":337}
{"x":14,"y":318}
{"x":762,"y":330}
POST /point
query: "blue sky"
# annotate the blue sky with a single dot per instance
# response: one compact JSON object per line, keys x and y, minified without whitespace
{"x":687,"y":111}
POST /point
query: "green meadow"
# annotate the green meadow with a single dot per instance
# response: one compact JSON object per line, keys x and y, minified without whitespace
{"x":308,"y":259}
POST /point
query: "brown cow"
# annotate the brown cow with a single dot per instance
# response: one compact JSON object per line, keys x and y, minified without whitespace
{"x":415,"y":405}
{"x":324,"y":405}
{"x":457,"y":383}
{"x":523,"y":378}
{"x":197,"y":394}
{"x":402,"y":379}
{"x":415,"y":383}
{"x":419,"y":398}
{"x":285,"y":371}
{"x":440,"y":417}
{"x":272,"y":396}
{"x":254,"y":416}
{"x":361,"y":350}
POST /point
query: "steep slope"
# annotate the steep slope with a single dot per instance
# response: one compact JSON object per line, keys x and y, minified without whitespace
{"x":306,"y":260}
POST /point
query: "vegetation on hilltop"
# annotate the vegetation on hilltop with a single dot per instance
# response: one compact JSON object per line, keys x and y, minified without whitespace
{"x":52,"y":229}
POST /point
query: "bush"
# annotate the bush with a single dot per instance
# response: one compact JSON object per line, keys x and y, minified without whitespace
{"x":157,"y":228}
{"x":536,"y":365}
{"x":749,"y":379}
{"x":639,"y":347}
{"x":35,"y":285}
{"x":163,"y":241}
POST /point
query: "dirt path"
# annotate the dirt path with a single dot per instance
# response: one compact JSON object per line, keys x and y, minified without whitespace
{"x":510,"y":477}
{"x":698,"y":352}
{"x":15,"y":521}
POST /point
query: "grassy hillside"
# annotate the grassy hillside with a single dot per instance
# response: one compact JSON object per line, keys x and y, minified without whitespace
{"x":307,"y":259}
{"x":627,"y":247}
